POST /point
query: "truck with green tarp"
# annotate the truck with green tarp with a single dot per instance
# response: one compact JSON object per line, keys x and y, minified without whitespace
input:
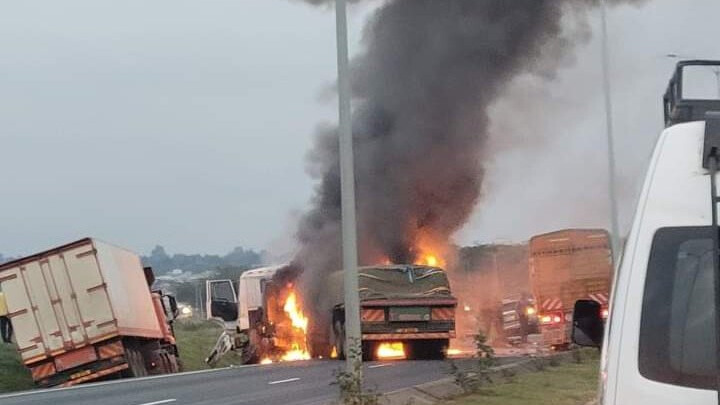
{"x":407,"y":308}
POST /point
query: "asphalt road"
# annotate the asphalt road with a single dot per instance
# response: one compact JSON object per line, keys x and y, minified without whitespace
{"x":276,"y":384}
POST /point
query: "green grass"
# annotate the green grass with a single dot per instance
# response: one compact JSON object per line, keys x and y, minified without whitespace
{"x":567,"y":384}
{"x":13,"y":375}
{"x":195,"y":340}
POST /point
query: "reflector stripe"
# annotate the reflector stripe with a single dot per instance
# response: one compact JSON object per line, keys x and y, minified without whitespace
{"x":111,"y":350}
{"x":599,"y":298}
{"x":373,"y":315}
{"x":551,"y":304}
{"x":42,"y":371}
{"x":443,"y":313}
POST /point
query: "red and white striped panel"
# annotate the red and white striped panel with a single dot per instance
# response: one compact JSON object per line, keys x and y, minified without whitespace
{"x":551,"y":304}
{"x":372,"y":315}
{"x":601,"y":298}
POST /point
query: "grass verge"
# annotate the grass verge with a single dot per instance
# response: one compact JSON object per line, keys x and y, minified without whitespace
{"x":13,"y":375}
{"x":195,"y":340}
{"x":567,"y":384}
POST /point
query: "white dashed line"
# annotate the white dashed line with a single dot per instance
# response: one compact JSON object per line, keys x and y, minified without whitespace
{"x":164,"y":401}
{"x":380,"y":365}
{"x":283,"y":381}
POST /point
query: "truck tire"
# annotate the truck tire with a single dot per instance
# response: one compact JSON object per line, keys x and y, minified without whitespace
{"x":136,"y":364}
{"x":339,"y":335}
{"x":434,"y":349}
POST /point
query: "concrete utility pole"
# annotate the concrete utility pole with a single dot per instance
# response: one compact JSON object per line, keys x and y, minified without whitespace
{"x":347,"y":182}
{"x":607,"y":91}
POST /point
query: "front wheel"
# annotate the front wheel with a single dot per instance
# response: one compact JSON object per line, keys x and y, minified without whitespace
{"x":339,"y":334}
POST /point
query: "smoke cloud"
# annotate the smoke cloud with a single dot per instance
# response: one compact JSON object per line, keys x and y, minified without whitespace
{"x":422,"y":90}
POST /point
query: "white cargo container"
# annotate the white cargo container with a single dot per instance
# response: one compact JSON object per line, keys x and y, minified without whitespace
{"x":85,"y":310}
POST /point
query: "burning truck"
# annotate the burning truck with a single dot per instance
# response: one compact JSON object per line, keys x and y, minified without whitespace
{"x":406,"y":311}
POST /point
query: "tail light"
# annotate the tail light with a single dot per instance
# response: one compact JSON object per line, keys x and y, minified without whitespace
{"x":551,"y":319}
{"x":605,"y":313}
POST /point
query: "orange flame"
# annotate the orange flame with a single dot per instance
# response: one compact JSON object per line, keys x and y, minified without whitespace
{"x":334,"y":353}
{"x":391,"y":351}
{"x":292,"y":309}
{"x":298,"y":344}
{"x":454,"y":352}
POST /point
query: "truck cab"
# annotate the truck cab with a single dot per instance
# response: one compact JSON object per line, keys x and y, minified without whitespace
{"x":659,"y":345}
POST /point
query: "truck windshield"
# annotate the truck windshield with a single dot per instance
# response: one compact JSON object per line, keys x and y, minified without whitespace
{"x":677,"y":332}
{"x":403,"y":282}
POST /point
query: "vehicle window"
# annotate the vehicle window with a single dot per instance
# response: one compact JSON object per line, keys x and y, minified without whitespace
{"x":700,"y":82}
{"x":677,"y":331}
{"x":222,"y":291}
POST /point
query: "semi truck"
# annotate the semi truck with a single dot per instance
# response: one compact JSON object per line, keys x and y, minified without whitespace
{"x":408,"y":307}
{"x":566,"y":266}
{"x":84,"y":311}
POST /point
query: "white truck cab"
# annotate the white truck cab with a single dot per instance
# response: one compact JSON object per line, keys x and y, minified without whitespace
{"x":660,"y":340}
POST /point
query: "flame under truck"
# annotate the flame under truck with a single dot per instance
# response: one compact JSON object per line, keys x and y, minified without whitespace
{"x":405,"y":304}
{"x":566,"y":266}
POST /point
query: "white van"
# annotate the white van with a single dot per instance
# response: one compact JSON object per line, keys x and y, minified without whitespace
{"x":660,"y":341}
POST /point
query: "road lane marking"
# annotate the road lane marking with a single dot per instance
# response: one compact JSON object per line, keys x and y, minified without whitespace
{"x":164,"y":401}
{"x":380,"y":365}
{"x":283,"y":381}
{"x":123,"y":381}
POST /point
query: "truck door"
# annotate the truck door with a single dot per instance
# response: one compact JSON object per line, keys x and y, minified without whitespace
{"x":221,"y":300}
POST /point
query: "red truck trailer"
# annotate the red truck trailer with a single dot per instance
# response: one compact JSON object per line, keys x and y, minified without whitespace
{"x":85,"y":310}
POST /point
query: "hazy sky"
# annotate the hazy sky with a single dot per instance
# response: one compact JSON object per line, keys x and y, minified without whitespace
{"x":186,"y":123}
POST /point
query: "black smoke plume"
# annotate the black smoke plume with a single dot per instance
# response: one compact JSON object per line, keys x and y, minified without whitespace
{"x":422,"y":88}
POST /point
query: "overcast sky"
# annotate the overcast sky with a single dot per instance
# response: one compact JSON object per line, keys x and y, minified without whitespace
{"x":186,"y":123}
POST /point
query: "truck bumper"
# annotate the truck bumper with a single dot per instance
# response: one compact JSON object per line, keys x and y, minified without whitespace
{"x":408,"y":336}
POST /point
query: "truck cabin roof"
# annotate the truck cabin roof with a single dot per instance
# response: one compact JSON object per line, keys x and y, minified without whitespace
{"x":682,"y":101}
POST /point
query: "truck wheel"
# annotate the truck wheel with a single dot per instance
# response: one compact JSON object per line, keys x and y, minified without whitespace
{"x":136,"y":363}
{"x":428,"y":349}
{"x":339,"y":333}
{"x":174,"y":367}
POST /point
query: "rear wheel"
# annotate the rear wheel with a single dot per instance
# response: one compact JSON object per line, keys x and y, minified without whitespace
{"x":435,"y":349}
{"x":136,"y":363}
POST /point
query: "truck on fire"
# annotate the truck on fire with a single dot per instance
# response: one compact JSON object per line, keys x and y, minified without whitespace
{"x":85,"y":310}
{"x":566,"y":266}
{"x":406,"y":311}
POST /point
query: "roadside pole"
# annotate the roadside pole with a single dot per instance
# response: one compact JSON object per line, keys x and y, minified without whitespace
{"x":347,"y":182}
{"x":607,"y":92}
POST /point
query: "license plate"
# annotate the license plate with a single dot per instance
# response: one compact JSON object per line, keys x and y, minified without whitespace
{"x":409,"y":314}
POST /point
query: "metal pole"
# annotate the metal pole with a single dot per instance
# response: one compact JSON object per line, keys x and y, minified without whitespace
{"x":347,"y":182}
{"x":614,"y":225}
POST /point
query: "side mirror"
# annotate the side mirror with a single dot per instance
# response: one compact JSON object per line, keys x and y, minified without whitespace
{"x":173,"y":306}
{"x":588,"y":325}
